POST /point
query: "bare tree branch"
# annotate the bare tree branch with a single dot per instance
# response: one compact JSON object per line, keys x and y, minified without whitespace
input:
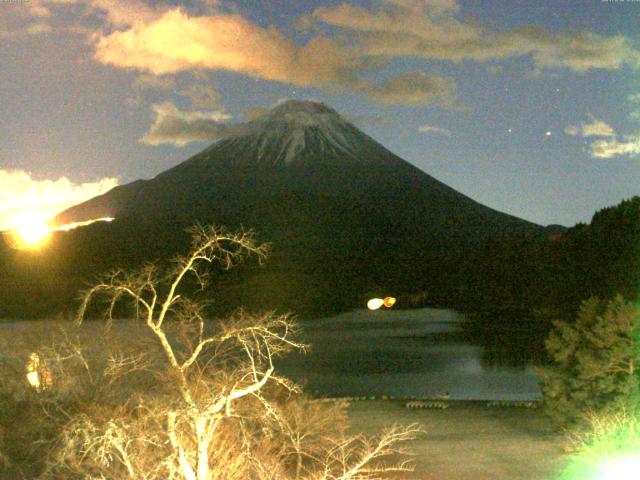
{"x":218,"y":417}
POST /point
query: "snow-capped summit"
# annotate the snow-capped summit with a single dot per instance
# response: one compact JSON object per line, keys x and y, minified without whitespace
{"x":296,"y":114}
{"x":344,"y":214}
{"x":299,"y":148}
{"x":301,"y":108}
{"x":300,"y":132}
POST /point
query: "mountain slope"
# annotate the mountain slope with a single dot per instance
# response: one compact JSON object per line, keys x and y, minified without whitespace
{"x":301,"y":147}
{"x":347,"y":218}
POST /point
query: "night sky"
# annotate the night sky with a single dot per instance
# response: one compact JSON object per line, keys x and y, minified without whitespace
{"x":529,"y":107}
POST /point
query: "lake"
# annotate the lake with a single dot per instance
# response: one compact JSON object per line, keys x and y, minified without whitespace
{"x":400,"y":353}
{"x":403,"y":353}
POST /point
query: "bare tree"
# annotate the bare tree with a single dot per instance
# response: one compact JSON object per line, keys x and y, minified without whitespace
{"x":222,"y":412}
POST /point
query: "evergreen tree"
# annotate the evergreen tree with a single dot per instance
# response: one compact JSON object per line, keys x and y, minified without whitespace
{"x":595,"y":360}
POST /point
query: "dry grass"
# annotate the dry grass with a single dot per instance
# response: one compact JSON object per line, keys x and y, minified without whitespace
{"x":469,"y":441}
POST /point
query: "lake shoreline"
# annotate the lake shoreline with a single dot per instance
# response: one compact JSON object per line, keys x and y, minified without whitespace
{"x":406,"y":354}
{"x":470,"y":441}
{"x":412,"y":354}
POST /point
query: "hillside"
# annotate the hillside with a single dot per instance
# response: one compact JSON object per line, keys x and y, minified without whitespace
{"x":346,"y":217}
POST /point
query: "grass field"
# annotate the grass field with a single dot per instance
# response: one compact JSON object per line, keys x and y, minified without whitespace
{"x":470,"y":441}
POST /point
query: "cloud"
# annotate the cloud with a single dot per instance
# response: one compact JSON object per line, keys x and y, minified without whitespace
{"x":21,"y":194}
{"x":177,"y":41}
{"x":416,"y":88}
{"x":399,"y":30}
{"x":255,"y":113}
{"x":159,"y":38}
{"x":123,"y":13}
{"x":177,"y":127}
{"x":163,"y":82}
{"x":21,"y":19}
{"x":595,"y":128}
{"x":610,"y":146}
{"x":370,"y":120}
{"x":38,"y":10}
{"x":582,"y":51}
{"x":613,"y":148}
{"x":202,"y":96}
{"x":31,"y":29}
{"x":38,"y":28}
{"x":433,"y":7}
{"x":146,"y":83}
{"x":432,"y":129}
{"x":635,"y":99}
{"x":89,"y":17}
{"x":29,"y":16}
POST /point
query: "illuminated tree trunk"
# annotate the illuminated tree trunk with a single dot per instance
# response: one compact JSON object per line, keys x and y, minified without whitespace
{"x":203,"y":448}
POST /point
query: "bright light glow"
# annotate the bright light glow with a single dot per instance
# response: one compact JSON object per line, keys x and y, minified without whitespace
{"x":375,"y":303}
{"x":31,"y":232}
{"x":28,"y":231}
{"x":71,"y":226}
{"x":389,"y":302}
{"x":620,"y":468}
{"x":22,"y":194}
{"x":38,"y":374}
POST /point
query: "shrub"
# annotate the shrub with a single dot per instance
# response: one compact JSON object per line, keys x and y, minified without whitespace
{"x":595,"y":361}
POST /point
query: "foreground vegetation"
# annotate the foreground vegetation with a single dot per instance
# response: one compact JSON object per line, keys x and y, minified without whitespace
{"x":498,"y":442}
{"x":595,"y":361}
{"x":184,"y":399}
{"x":188,"y":400}
{"x":607,"y":447}
{"x":592,"y":388}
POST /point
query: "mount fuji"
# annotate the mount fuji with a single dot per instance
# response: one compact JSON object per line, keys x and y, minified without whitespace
{"x":301,"y":149}
{"x":346,"y":217}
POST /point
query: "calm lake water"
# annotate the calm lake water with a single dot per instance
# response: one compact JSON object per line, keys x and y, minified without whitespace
{"x":401,"y":353}
{"x":412,"y":353}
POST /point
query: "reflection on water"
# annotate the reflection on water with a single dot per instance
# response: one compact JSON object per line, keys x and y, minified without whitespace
{"x":413,"y":353}
{"x":509,"y":337}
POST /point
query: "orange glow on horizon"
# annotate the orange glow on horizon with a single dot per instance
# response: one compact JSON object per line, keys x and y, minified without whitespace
{"x":71,"y":226}
{"x":30,"y":232}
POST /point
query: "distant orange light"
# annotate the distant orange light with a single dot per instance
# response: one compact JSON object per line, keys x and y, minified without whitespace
{"x":71,"y":226}
{"x":30,"y":232}
{"x":33,"y":234}
{"x":376,"y":303}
